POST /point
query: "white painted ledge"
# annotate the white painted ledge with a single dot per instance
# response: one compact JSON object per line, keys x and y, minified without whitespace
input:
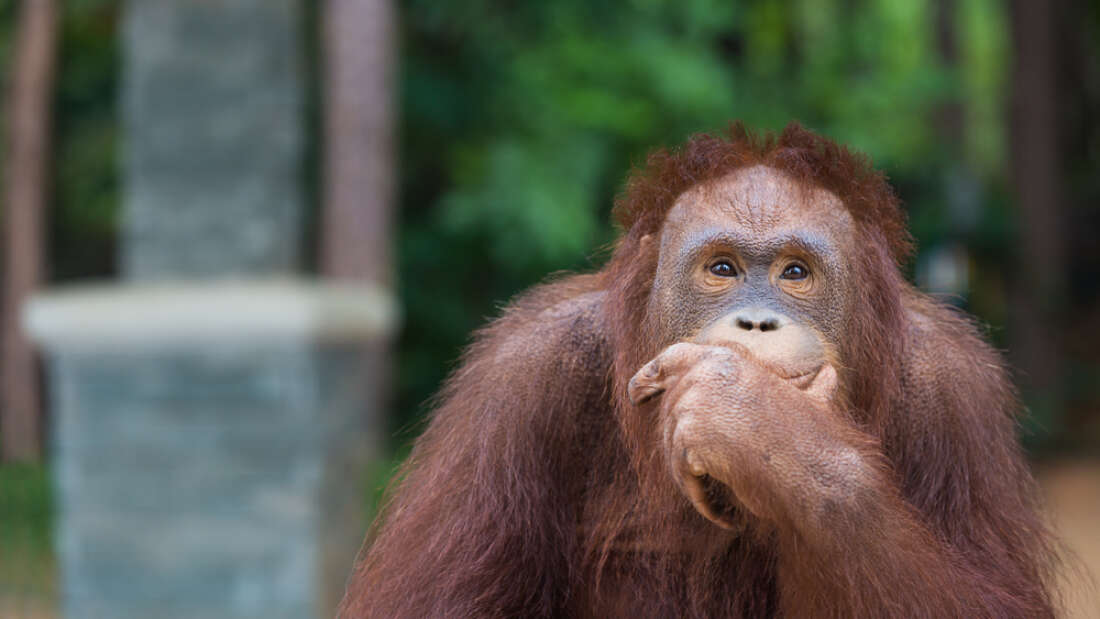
{"x":117,"y":315}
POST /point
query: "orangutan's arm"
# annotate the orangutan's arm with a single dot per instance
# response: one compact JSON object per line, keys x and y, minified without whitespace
{"x":950,"y":454}
{"x":481,"y":524}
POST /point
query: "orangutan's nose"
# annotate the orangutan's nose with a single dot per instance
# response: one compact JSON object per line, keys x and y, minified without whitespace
{"x":762,"y":319}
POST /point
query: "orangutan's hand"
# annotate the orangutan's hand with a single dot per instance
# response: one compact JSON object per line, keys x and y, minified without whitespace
{"x":774,"y":442}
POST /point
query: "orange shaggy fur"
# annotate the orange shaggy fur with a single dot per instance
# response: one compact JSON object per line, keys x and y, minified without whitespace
{"x":537,"y":490}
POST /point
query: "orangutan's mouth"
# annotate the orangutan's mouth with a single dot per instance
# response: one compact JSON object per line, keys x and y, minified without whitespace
{"x":802,"y":379}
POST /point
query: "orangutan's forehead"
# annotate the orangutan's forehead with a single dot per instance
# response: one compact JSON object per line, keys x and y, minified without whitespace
{"x":759,"y":199}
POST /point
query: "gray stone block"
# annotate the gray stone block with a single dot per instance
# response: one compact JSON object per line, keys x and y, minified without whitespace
{"x":209,"y":443}
{"x":212,"y":110}
{"x":200,"y":483}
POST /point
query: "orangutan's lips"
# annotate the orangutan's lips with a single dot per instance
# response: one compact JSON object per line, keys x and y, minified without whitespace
{"x":804,"y":378}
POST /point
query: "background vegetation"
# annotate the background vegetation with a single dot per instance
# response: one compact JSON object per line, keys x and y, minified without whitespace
{"x":519,"y":122}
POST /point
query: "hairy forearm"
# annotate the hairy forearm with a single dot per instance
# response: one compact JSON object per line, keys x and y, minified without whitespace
{"x":876,"y":557}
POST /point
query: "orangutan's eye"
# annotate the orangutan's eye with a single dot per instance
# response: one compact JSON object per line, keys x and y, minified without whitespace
{"x":795,"y":271}
{"x":723,"y":268}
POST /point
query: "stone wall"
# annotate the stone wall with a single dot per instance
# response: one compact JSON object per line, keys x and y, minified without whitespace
{"x":191,"y":482}
{"x":209,"y":444}
{"x":212,"y":106}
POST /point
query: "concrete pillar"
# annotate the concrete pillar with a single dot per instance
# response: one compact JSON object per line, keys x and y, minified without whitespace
{"x":213,"y":411}
{"x":209,"y":442}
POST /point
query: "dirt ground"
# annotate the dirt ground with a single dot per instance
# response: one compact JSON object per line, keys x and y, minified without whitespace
{"x":1073,"y":497}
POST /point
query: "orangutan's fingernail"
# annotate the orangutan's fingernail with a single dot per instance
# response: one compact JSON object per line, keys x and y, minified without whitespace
{"x":694,"y":463}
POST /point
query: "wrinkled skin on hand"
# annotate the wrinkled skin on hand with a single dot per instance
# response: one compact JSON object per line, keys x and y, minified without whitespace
{"x":776,"y":442}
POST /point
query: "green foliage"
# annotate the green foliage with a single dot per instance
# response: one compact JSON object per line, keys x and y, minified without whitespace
{"x":84,"y":221}
{"x":521,"y":121}
{"x":7,"y":21}
{"x":26,"y":518}
{"x":85,"y":193}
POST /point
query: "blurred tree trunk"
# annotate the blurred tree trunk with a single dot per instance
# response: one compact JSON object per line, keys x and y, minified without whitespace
{"x":25,"y":194}
{"x":1037,"y":294}
{"x":358,"y":175}
{"x":949,"y":117}
{"x":945,"y":265}
{"x":1079,"y":57}
{"x":358,"y":183}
